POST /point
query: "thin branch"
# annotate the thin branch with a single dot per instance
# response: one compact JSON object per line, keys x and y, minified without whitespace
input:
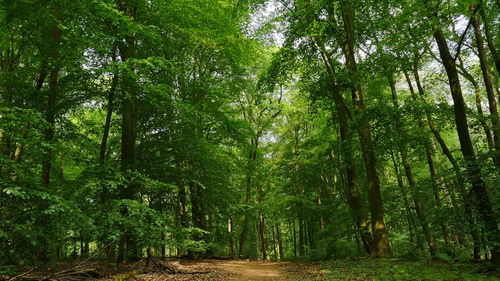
{"x":462,"y":38}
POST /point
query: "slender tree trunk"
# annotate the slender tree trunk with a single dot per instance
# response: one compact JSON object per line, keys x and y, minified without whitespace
{"x":182,"y":212}
{"x":474,"y":172}
{"x":294,"y":239}
{"x":489,"y":37}
{"x":302,"y":238}
{"x":262,"y":225}
{"x":51,"y":104}
{"x":381,"y":240}
{"x":468,"y":212}
{"x":230,"y":236}
{"x":128,"y":139}
{"x":197,"y":214}
{"x":43,"y":252}
{"x":263,"y":236}
{"x":280,"y":242}
{"x":320,"y":203}
{"x":352,"y":190}
{"x":310,"y":229}
{"x":109,"y":114}
{"x":485,"y":69}
{"x":409,"y":215}
{"x":248,"y":185}
{"x":479,"y":106}
{"x":275,"y":243}
{"x":409,"y":175}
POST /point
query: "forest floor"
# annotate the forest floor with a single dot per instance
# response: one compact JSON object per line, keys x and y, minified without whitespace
{"x":238,"y":270}
{"x":250,"y":270}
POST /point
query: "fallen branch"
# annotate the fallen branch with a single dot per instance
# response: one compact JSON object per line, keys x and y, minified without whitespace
{"x":23,"y":274}
{"x":92,"y":273}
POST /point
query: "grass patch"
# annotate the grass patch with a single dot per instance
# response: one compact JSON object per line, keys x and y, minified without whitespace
{"x":394,"y":269}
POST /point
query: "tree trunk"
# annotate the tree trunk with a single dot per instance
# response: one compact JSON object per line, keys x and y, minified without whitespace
{"x":381,"y":240}
{"x":352,"y":190}
{"x":263,"y":236}
{"x":489,"y":38}
{"x":248,"y":187}
{"x":230,"y":236}
{"x":43,"y":249}
{"x":479,"y":106}
{"x":294,"y":239}
{"x":485,"y":69}
{"x":468,"y":213}
{"x":409,"y":174}
{"x":129,"y":134}
{"x":474,"y":172}
{"x":182,"y":213}
{"x":409,"y":215}
{"x":197,"y":214}
{"x":51,"y":104}
{"x":302,"y":238}
{"x":280,"y":243}
{"x":109,"y":114}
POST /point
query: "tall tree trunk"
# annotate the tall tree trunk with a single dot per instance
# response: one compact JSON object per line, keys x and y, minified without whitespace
{"x":474,"y":172}
{"x":248,"y":188}
{"x":435,"y":188}
{"x":197,"y":213}
{"x":294,"y":239}
{"x":230,"y":236}
{"x":263,"y":236}
{"x":51,"y":103}
{"x":109,"y":113}
{"x":280,"y":242}
{"x":43,"y":252}
{"x":275,"y":243}
{"x":409,"y":215}
{"x":485,"y":69}
{"x":489,"y":138}
{"x":302,"y":237}
{"x":409,"y":175}
{"x":489,"y":37}
{"x":468,"y":212}
{"x":262,"y":224}
{"x":182,"y":212}
{"x":352,"y":190}
{"x":381,"y":240}
{"x":129,"y":134}
{"x":320,"y":203}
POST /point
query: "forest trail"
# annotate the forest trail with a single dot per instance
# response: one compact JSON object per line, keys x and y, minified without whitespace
{"x":243,"y":270}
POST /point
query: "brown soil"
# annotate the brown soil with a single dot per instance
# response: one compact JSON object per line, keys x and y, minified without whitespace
{"x":254,"y":270}
{"x":185,"y":270}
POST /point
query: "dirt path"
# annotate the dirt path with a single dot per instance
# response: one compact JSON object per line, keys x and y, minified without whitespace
{"x":254,"y":270}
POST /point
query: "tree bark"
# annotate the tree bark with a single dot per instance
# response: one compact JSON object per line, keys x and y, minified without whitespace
{"x":262,"y":225}
{"x":477,"y":90}
{"x":352,"y":190}
{"x":489,"y":37}
{"x":129,"y":134}
{"x":263,"y":236}
{"x":109,"y":114}
{"x":381,"y":240}
{"x":468,"y":212}
{"x":248,"y":188}
{"x":280,"y":242}
{"x":474,"y":171}
{"x":409,"y":175}
{"x":51,"y":103}
{"x":230,"y":236}
{"x":409,"y":215}
{"x":490,"y":92}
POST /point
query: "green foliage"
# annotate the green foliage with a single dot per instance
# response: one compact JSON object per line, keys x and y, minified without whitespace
{"x":394,"y":269}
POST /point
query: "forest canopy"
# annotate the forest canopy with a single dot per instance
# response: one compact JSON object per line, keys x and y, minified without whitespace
{"x":273,"y":130}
